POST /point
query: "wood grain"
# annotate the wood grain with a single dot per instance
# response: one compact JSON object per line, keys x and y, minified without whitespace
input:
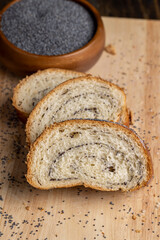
{"x":80,"y":213}
{"x":149,"y":9}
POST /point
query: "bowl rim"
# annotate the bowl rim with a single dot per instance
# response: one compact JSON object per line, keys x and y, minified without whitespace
{"x":84,"y":3}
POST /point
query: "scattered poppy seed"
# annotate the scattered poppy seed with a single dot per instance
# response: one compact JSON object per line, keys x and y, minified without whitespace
{"x":40,"y":208}
{"x":1,"y":198}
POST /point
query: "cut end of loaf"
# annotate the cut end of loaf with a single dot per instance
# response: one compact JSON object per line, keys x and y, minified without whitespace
{"x":97,"y":154}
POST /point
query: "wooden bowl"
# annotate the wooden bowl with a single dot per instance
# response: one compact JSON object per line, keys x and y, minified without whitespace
{"x":22,"y":62}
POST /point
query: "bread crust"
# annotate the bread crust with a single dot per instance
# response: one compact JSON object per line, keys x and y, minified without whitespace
{"x":21,"y":114}
{"x":124,"y":117}
{"x":70,"y":123}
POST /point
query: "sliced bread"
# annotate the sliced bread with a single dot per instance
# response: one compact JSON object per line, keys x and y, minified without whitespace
{"x":33,"y":88}
{"x":82,"y":98}
{"x":97,"y":154}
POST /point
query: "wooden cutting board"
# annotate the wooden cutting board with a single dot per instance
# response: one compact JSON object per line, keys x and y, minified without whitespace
{"x":81,"y":213}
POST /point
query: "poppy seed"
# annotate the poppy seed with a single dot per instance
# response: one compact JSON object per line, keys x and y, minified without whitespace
{"x":48,"y":27}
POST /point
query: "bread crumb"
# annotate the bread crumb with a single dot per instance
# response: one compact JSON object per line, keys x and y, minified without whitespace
{"x":134,"y":217}
{"x":110,"y":49}
{"x":137,"y":231}
{"x":27,"y":208}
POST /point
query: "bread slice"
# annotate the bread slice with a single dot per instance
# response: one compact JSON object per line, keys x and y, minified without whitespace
{"x":85,"y":97}
{"x":33,"y":88}
{"x":97,"y":154}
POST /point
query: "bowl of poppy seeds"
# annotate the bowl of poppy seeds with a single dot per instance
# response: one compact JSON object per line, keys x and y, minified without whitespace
{"x":50,"y":33}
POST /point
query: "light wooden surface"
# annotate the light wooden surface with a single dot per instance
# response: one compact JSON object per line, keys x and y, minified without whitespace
{"x":79,"y":213}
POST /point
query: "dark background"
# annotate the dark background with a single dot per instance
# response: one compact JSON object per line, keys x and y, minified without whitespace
{"x":148,"y":9}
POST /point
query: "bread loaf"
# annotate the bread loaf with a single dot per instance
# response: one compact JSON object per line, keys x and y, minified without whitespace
{"x":85,"y":97}
{"x":33,"y":88}
{"x":97,"y":154}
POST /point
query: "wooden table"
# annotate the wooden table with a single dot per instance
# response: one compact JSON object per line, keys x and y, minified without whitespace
{"x":80,"y":213}
{"x":131,"y":9}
